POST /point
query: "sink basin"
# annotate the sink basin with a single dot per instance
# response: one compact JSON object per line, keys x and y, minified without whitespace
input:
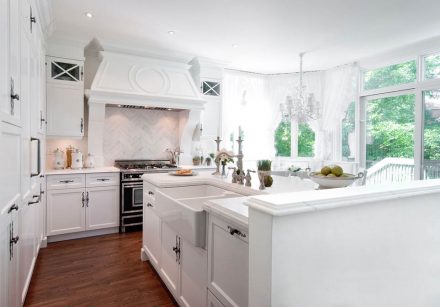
{"x":182,"y":209}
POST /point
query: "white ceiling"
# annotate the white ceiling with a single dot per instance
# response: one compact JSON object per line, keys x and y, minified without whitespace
{"x":269,"y":34}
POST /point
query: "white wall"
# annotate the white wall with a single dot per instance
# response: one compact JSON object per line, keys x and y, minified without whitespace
{"x":139,"y":134}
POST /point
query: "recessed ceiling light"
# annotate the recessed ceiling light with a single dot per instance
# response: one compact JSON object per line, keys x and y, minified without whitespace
{"x":171,"y":32}
{"x":89,"y":15}
{"x":169,"y":109}
{"x":234,"y":46}
{"x":119,"y":105}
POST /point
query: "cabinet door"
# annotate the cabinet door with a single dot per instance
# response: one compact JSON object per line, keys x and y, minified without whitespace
{"x":9,"y":294}
{"x":102,"y":207}
{"x":4,"y":257}
{"x":213,"y":301}
{"x":151,"y":234}
{"x":228,"y":262}
{"x":193,"y":275}
{"x":10,"y":61}
{"x":65,"y":211}
{"x":27,"y":233}
{"x":169,"y":262}
{"x":10,"y":159}
{"x":65,"y":109}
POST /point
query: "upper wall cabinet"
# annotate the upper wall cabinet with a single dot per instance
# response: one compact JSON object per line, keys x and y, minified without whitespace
{"x":65,"y":97}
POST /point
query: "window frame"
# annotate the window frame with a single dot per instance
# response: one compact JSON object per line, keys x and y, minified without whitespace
{"x":418,"y":87}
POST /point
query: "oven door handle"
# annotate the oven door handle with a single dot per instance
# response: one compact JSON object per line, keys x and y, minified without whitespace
{"x":131,"y":185}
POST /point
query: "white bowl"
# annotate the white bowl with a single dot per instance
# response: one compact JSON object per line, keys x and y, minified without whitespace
{"x":334,"y":182}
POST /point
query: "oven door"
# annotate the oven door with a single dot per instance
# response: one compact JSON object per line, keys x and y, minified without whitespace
{"x":132,"y":197}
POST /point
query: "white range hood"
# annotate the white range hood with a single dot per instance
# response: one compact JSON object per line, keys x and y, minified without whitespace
{"x":130,"y":80}
{"x":125,"y":79}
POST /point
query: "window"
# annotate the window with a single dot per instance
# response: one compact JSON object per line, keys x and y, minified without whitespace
{"x":432,"y":66}
{"x":390,"y":138}
{"x":348,"y":134}
{"x":431,"y":135}
{"x":306,"y":140}
{"x":211,"y":88}
{"x":282,"y":139}
{"x":390,"y":75}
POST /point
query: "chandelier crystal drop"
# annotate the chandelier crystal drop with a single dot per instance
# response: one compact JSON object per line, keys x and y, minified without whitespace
{"x":303,"y":106}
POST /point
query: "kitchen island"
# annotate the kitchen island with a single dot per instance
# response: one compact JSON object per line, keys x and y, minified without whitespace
{"x":215,"y":243}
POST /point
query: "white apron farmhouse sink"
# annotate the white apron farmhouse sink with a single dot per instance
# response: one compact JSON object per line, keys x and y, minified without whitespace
{"x":182,"y":209}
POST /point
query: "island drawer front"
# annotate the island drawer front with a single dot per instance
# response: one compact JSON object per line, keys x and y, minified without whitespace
{"x":149,"y":192}
{"x":70,"y":181}
{"x":102,"y":179}
{"x":232,"y":229}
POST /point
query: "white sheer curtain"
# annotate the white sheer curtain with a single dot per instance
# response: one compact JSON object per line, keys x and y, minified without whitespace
{"x":245,"y":104}
{"x":252,"y":101}
{"x":338,"y":92}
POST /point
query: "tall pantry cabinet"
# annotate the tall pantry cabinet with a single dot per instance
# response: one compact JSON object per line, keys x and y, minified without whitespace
{"x":22,"y":137}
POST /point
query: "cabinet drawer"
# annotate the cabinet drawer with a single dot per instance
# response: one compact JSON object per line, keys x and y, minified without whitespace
{"x":149,"y":192}
{"x":102,"y":179}
{"x":71,"y":181}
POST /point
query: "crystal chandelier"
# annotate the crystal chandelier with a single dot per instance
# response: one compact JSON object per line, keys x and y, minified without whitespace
{"x":303,"y":106}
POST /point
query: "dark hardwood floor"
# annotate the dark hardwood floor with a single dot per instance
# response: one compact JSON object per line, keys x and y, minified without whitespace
{"x":98,"y":271}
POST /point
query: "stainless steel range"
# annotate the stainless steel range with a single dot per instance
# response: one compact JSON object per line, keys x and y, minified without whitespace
{"x":132,"y":190}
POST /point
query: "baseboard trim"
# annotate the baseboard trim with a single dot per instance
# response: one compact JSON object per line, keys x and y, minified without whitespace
{"x":43,"y":243}
{"x":83,"y":234}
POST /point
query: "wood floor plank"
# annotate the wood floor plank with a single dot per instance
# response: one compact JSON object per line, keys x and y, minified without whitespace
{"x":99,"y":271}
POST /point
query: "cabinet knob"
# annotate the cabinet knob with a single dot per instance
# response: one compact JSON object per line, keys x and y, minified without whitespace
{"x":149,"y":205}
{"x":14,"y":240}
{"x":150,"y":193}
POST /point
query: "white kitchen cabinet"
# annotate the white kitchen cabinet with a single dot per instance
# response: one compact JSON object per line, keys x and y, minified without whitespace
{"x":10,"y":107}
{"x":65,"y":211}
{"x":102,"y":207}
{"x":28,"y":241}
{"x":193,"y":275}
{"x":65,"y":97}
{"x":170,"y":259}
{"x":228,"y":262}
{"x":213,"y":301}
{"x":81,"y":202}
{"x":151,"y":233}
{"x":10,"y":161}
{"x":9,"y":240}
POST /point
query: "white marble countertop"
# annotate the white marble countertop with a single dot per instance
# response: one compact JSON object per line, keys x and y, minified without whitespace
{"x":307,"y":201}
{"x":104,"y":169}
{"x":199,"y":167}
{"x":234,"y":208}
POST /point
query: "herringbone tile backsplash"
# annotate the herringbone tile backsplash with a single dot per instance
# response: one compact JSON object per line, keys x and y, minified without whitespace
{"x":139,"y":134}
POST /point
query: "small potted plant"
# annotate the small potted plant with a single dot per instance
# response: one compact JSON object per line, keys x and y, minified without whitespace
{"x":196,"y":160}
{"x":208,"y":161}
{"x":265,"y":166}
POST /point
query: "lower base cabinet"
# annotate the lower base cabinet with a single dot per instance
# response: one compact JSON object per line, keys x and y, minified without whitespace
{"x":183,"y":268}
{"x":228,"y":262}
{"x":74,"y":206}
{"x":213,"y":301}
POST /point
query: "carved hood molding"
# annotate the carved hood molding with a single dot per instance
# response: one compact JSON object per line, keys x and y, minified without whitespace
{"x":125,"y":79}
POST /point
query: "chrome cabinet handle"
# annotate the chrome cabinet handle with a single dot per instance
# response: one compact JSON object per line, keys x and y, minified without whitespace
{"x":176,"y":249}
{"x":38,"y":157}
{"x":35,"y":201}
{"x":83,"y":199}
{"x":66,"y":181}
{"x":235,"y":231}
{"x":14,"y":96}
{"x":12,"y":208}
{"x":103,"y":179}
{"x":87,"y":199}
{"x":14,"y":240}
{"x":82,"y":125}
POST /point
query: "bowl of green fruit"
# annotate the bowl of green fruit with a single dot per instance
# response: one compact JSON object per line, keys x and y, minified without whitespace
{"x":333,"y":176}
